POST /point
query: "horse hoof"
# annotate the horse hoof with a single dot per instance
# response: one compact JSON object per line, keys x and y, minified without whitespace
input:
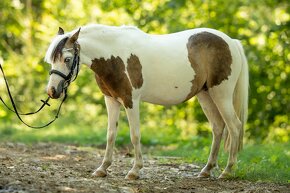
{"x":224,"y":175}
{"x":132,"y":176}
{"x":100,"y":173}
{"x":203,"y":175}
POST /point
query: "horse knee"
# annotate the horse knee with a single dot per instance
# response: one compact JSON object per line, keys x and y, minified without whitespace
{"x":135,"y":138}
{"x":111,"y":136}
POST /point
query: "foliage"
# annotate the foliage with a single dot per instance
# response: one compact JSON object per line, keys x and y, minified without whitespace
{"x":27,"y":27}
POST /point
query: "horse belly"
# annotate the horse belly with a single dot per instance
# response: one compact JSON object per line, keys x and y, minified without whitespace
{"x":167,"y":84}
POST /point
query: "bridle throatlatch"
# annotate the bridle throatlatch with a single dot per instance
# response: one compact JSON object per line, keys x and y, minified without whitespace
{"x":68,"y":80}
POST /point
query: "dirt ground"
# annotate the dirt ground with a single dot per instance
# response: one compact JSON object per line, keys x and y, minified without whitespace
{"x":50,"y":167}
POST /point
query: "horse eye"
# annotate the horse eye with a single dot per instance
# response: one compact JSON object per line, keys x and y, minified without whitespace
{"x":67,"y":60}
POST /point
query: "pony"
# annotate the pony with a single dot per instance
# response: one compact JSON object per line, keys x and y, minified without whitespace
{"x":131,"y":66}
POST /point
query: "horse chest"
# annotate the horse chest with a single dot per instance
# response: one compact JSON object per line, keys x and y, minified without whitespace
{"x":116,"y":79}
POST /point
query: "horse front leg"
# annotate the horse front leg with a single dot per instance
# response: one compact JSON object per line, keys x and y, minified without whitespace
{"x":134,"y":123}
{"x":113,"y":109}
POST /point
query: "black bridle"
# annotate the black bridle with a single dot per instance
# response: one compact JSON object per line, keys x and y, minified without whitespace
{"x":75,"y":66}
{"x":68,"y":80}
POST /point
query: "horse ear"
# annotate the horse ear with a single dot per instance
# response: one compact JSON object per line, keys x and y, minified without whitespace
{"x":60,"y":31}
{"x":75,"y":36}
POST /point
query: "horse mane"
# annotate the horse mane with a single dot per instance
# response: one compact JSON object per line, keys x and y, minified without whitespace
{"x":54,"y":51}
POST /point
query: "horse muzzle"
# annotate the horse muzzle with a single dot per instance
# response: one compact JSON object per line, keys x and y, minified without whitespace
{"x":56,"y":92}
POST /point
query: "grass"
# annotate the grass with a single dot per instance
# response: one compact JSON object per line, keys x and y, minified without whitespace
{"x":260,"y":162}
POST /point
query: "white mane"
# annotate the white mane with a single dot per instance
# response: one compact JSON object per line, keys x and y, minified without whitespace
{"x":84,"y":29}
{"x":52,"y":47}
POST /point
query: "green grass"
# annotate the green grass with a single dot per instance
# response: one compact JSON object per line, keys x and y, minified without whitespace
{"x":260,"y":162}
{"x":62,"y":132}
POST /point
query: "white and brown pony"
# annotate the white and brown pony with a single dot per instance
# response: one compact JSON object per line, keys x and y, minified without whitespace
{"x":131,"y":66}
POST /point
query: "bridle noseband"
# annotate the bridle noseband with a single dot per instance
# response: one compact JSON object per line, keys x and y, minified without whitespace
{"x":75,"y":65}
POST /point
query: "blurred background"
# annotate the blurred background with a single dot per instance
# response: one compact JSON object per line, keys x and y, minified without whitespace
{"x":28,"y":26}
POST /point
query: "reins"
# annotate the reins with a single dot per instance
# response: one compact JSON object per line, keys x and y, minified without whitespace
{"x":67,"y":78}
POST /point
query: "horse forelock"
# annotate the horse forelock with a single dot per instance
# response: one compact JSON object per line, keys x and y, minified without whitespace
{"x":54,"y":51}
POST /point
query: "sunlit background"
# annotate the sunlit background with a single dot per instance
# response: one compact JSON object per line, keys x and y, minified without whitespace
{"x":28,"y":26}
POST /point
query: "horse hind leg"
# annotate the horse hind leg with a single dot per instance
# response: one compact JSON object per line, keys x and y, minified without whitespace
{"x":222,"y":96}
{"x":217,"y":124}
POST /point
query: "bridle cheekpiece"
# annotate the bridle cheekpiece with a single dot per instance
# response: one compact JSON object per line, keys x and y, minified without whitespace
{"x":75,"y":66}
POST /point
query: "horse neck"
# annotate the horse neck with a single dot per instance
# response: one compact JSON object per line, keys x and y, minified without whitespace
{"x":105,"y":41}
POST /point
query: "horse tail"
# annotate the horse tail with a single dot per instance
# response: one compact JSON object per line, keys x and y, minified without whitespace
{"x":241,"y":92}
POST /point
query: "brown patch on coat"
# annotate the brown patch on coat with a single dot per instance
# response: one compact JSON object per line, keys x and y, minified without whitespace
{"x":134,"y":69}
{"x":112,"y":79}
{"x":211,"y":59}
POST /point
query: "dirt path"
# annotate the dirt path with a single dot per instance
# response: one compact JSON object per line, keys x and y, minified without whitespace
{"x":61,"y":168}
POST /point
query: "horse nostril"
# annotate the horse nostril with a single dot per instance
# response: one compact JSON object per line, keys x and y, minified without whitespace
{"x":51,"y":92}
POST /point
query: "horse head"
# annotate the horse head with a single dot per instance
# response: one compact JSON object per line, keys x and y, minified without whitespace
{"x":63,"y":55}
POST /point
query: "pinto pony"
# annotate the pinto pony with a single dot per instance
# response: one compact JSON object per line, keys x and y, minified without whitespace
{"x":131,"y":66}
